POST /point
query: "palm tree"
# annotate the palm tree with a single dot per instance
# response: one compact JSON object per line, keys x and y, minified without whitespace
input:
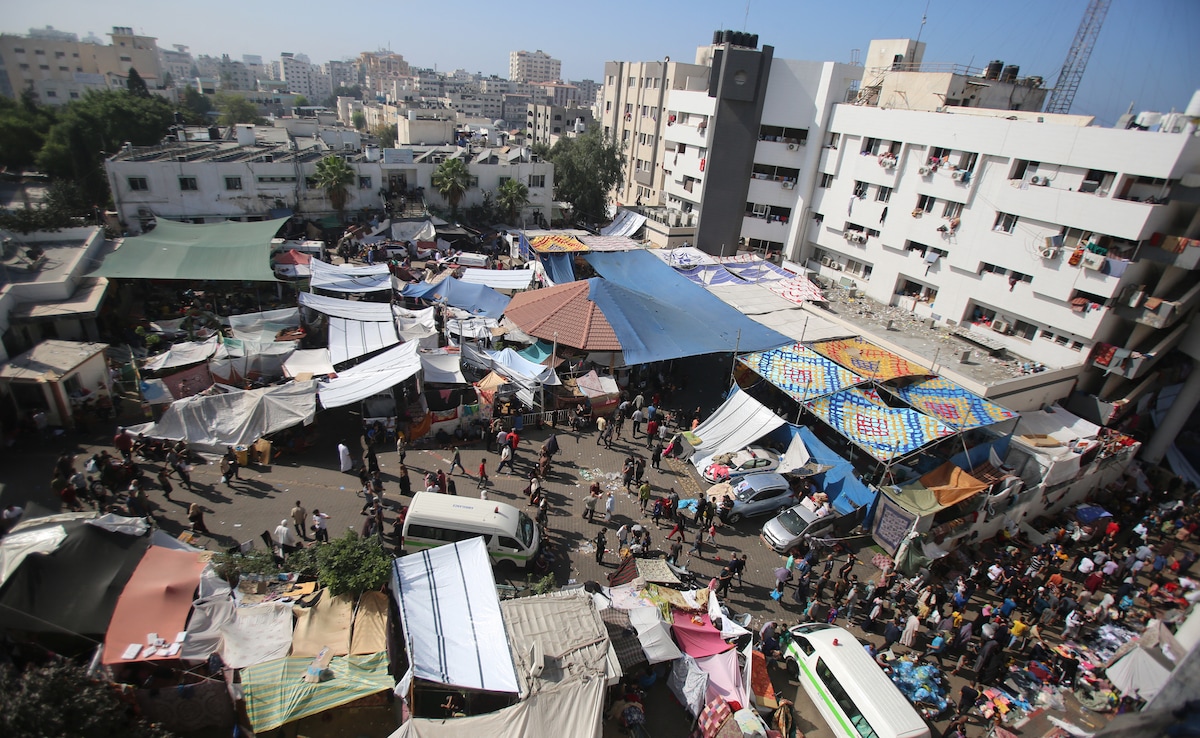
{"x":451,"y":179}
{"x":334,"y":175}
{"x":512,"y":196}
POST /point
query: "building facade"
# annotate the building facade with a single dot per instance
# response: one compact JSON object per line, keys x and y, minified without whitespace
{"x":60,"y":68}
{"x":546,"y":124}
{"x":533,"y":67}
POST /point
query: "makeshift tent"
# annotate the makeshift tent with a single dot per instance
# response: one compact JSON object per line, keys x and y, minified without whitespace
{"x":349,"y":339}
{"x":243,"y":636}
{"x":211,"y":423}
{"x":627,"y":223}
{"x":795,"y":458}
{"x":837,"y":478}
{"x":415,"y":324}
{"x":560,"y":268}
{"x":867,"y":359}
{"x":74,"y":588}
{"x":442,"y":366}
{"x":724,"y":676}
{"x":562,"y":712}
{"x":800,"y":372}
{"x":709,"y":274}
{"x":42,"y":539}
{"x":337,"y":307}
{"x":369,"y":632}
{"x":654,"y":634}
{"x":349,"y":278}
{"x":738,"y":422}
{"x":263,"y":326}
{"x":183,"y":354}
{"x":157,"y":599}
{"x":565,"y":627}
{"x":212,"y":251}
{"x":892,"y":523}
{"x":689,"y":683}
{"x":313,"y":362}
{"x":415,"y":231}
{"x":750,"y":268}
{"x":658,"y":314}
{"x":884,"y":432}
{"x":325,"y":624}
{"x":566,"y":314}
{"x":770,"y":309}
{"x":1053,"y":440}
{"x":609,"y":242}
{"x":477,"y":299}
{"x":293,"y":264}
{"x":557,"y":244}
{"x":469,"y":328}
{"x":944,"y":486}
{"x":276,"y":692}
{"x":797,"y":290}
{"x":951,"y":404}
{"x":1142,"y":666}
{"x":451,"y":617}
{"x":499,"y":279}
{"x":695,"y":634}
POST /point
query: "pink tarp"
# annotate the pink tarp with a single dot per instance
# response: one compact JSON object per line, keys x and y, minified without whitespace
{"x":724,"y":677}
{"x":697,"y":639}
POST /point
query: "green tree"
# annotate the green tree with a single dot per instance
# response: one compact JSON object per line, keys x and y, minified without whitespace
{"x":354,"y":91}
{"x":511,"y":196}
{"x":23,"y":127}
{"x":98,"y":125}
{"x":60,"y":700}
{"x":586,"y":169}
{"x":387,"y":135}
{"x":300,"y":102}
{"x":359,"y":120}
{"x":334,"y":176}
{"x":136,"y":85}
{"x":347,"y":565}
{"x":168,"y":80}
{"x":452,"y":180}
{"x":236,"y":109}
{"x":196,"y":106}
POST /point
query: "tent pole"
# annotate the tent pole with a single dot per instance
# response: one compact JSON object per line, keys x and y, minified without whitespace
{"x":733,"y":366}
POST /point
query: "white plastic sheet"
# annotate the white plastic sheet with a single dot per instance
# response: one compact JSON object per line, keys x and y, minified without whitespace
{"x":371,"y":377}
{"x":739,"y":421}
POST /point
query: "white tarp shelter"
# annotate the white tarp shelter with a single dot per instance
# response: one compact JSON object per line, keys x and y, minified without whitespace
{"x":442,"y":366}
{"x":626,"y":224}
{"x":308,"y":361}
{"x":1054,"y":441}
{"x":182,"y":354}
{"x":560,"y":712}
{"x":688,"y":682}
{"x":264,"y":326}
{"x":499,"y":279}
{"x":244,"y":636}
{"x":739,"y":421}
{"x":761,"y":305}
{"x":415,"y":324}
{"x":210,"y":423}
{"x":350,"y":339}
{"x":414,"y":231}
{"x":350,"y":309}
{"x":654,"y":634}
{"x":371,"y":377}
{"x":795,"y":456}
{"x":349,"y":279}
{"x":1142,"y":666}
{"x":451,"y":618}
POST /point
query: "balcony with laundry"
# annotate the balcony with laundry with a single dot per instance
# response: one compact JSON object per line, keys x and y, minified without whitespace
{"x":1162,"y":308}
{"x":1133,"y":359}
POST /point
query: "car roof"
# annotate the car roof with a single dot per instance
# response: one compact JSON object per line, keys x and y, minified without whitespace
{"x":805,"y":514}
{"x":765,"y":480}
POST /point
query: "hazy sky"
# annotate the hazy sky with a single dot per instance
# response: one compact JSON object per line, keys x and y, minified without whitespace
{"x":1146,"y":53}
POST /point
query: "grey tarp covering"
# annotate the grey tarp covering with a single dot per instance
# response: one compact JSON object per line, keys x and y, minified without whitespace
{"x":566,"y":629}
{"x":349,"y":278}
{"x":349,"y":339}
{"x":182,"y":354}
{"x":351,"y":309}
{"x":210,"y":423}
{"x":688,"y":683}
{"x":563,"y":712}
{"x":371,"y":377}
{"x":654,"y":633}
{"x":739,"y":421}
{"x":442,"y":366}
{"x":228,"y":251}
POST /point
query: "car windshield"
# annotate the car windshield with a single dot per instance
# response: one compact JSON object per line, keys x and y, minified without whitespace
{"x":744,"y":492}
{"x":792,"y":522}
{"x":524,"y":529}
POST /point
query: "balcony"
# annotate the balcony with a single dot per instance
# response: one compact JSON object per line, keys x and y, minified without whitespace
{"x":1172,"y":251}
{"x":1132,"y":363}
{"x":1160,"y":312}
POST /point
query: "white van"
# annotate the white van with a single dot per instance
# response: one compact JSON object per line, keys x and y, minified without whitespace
{"x":435,"y":519}
{"x":849,"y":689}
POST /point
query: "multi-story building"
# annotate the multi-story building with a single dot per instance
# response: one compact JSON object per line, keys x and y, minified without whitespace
{"x":231,"y":74}
{"x":178,"y":63}
{"x":533,"y":67}
{"x":341,"y":73}
{"x":254,"y":62}
{"x":259,"y":169}
{"x":546,"y":124}
{"x":60,"y":68}
{"x":561,"y":94}
{"x":586,"y":92}
{"x":298,"y":73}
{"x":377,"y":70}
{"x":475,"y":104}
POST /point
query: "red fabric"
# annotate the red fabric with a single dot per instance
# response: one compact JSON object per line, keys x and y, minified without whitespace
{"x":697,"y":639}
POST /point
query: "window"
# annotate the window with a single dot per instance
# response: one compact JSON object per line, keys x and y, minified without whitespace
{"x":883,"y":194}
{"x":967,"y":160}
{"x":838,"y":693}
{"x":39,"y":52}
{"x":138,"y":184}
{"x":952,"y":210}
{"x":826,"y":181}
{"x":126,"y":59}
{"x":1077,"y":345}
{"x":860,"y":190}
{"x":188,"y":184}
{"x":1061,"y":340}
{"x":937,"y":152}
{"x":858,"y":269}
{"x":632,"y":82}
{"x":51,"y":93}
{"x":433,"y":533}
{"x":780,"y":134}
{"x":64,"y":69}
{"x":1046,"y":335}
{"x":925,"y":203}
{"x":803,"y":644}
{"x":834,"y":139}
{"x":1024,"y":330}
{"x":502,"y":179}
{"x":364,"y":183}
{"x":645,"y":111}
{"x":508,"y":543}
{"x":44,"y":66}
{"x":74,"y":95}
{"x":986,"y":268}
{"x":1018,"y":276}
{"x":233,"y":183}
{"x":1020,"y":167}
{"x":537,"y":180}
{"x":608,"y":106}
{"x":1005,"y":223}
{"x":870,"y":146}
{"x":59,"y":54}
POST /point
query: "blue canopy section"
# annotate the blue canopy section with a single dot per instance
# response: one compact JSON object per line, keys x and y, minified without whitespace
{"x":845,"y":491}
{"x":981,"y":453}
{"x":538,"y":351}
{"x":702,"y":324}
{"x":559,"y":267}
{"x":477,"y":299}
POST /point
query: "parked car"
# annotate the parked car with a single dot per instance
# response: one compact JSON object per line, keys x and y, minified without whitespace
{"x":750,"y":460}
{"x":755,"y":494}
{"x":787,"y":529}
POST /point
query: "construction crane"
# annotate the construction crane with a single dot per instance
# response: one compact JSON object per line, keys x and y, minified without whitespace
{"x":1063,"y":93}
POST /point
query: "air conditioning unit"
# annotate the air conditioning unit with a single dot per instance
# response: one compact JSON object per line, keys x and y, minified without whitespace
{"x":793,"y":147}
{"x":960,"y":175}
{"x":1040,"y":181}
{"x":1001,"y":326}
{"x":789,"y":185}
{"x":856,"y":237}
{"x":1050,"y":253}
{"x":887,"y":163}
{"x":836,"y":265}
{"x":925,"y":171}
{"x":826,"y":261}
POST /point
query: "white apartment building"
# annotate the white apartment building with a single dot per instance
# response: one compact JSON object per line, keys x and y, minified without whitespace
{"x":176,"y":61}
{"x":59,"y":68}
{"x":341,"y":73}
{"x":299,"y":75}
{"x":260,"y":169}
{"x":1039,"y":234}
{"x":533,"y":66}
{"x":546,"y":124}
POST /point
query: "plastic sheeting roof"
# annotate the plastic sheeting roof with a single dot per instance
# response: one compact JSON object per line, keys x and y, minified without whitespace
{"x":739,"y":421}
{"x":276,"y":692}
{"x":634,"y":297}
{"x":567,"y":627}
{"x":697,"y":640}
{"x":768,"y":308}
{"x":228,"y":251}
{"x":451,"y":617}
{"x":308,"y":361}
{"x":210,"y":423}
{"x":349,"y":279}
{"x":953,"y":405}
{"x":884,"y":432}
{"x":476,"y":299}
{"x":867,"y":359}
{"x":414,"y":231}
{"x":559,"y":268}
{"x":499,"y":279}
{"x":654,"y":634}
{"x":627,"y":223}
{"x":945,"y":486}
{"x":157,"y":599}
{"x":800,"y":372}
{"x":349,"y":339}
{"x":442,"y":366}
{"x":349,"y":309}
{"x":182,"y":354}
{"x":606,"y":242}
{"x":263,"y":326}
{"x":371,"y":377}
{"x":569,"y":711}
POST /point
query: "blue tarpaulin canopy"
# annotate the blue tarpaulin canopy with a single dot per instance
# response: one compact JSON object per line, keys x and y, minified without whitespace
{"x":477,"y":299}
{"x":658,"y":314}
{"x":845,"y":490}
{"x":560,"y":268}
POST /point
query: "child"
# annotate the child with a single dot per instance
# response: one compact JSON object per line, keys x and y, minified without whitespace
{"x":657,"y":511}
{"x":483,"y":475}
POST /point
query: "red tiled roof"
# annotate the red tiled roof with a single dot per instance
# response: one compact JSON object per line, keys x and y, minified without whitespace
{"x":567,"y":311}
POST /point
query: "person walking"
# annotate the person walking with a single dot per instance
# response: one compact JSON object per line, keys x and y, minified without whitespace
{"x":622,"y":537}
{"x":227,"y":472}
{"x":651,"y":432}
{"x":627,"y":472}
{"x":610,"y":504}
{"x":233,"y":462}
{"x":345,"y":462}
{"x":639,"y":469}
{"x":697,"y":549}
{"x":601,"y":426}
{"x":638,"y":417}
{"x":185,"y":473}
{"x":457,"y":461}
{"x":738,"y":566}
{"x":601,"y":543}
{"x":405,"y":482}
{"x":674,"y":551}
{"x":656,"y":456}
{"x":607,"y":436}
{"x":196,"y":518}
{"x":320,"y":531}
{"x":644,"y":496}
{"x":724,"y":579}
{"x":910,"y":630}
{"x":401,"y":447}
{"x":164,"y":481}
{"x":589,"y":505}
{"x":618,"y":422}
{"x":505,"y":459}
{"x":483,"y":475}
{"x":299,"y":519}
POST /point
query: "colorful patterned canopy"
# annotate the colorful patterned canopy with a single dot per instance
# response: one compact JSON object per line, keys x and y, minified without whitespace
{"x":709,"y":274}
{"x":868,"y":359}
{"x":800,"y":372}
{"x":557,"y":244}
{"x":953,"y":405}
{"x":797,"y":290}
{"x":884,"y":432}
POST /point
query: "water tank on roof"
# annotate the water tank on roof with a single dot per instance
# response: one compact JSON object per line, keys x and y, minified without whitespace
{"x":716,"y":37}
{"x":245,"y":134}
{"x":214,"y":134}
{"x":1010,"y":73}
{"x":753,"y":41}
{"x":993,"y":70}
{"x":726,"y":37}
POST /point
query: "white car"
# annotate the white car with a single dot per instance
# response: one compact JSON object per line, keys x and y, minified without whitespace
{"x":750,"y":460}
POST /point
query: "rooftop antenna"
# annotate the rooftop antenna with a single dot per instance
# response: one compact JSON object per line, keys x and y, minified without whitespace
{"x":746,"y":20}
{"x":1063,"y":93}
{"x":924,"y":17}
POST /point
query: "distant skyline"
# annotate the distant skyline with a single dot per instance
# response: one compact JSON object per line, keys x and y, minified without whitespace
{"x":1146,"y":53}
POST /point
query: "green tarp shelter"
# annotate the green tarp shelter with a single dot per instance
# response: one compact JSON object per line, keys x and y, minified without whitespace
{"x":210,"y":251}
{"x":276,"y":694}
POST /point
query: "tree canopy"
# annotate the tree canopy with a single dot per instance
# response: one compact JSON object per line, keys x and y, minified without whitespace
{"x":347,"y":565}
{"x":236,"y":109}
{"x":136,"y":85}
{"x":23,"y":127}
{"x":196,"y":106}
{"x":452,"y":180}
{"x":359,"y":119}
{"x":334,"y":175}
{"x":511,"y":196}
{"x":353,"y":91}
{"x":387,"y":135}
{"x":586,"y":169}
